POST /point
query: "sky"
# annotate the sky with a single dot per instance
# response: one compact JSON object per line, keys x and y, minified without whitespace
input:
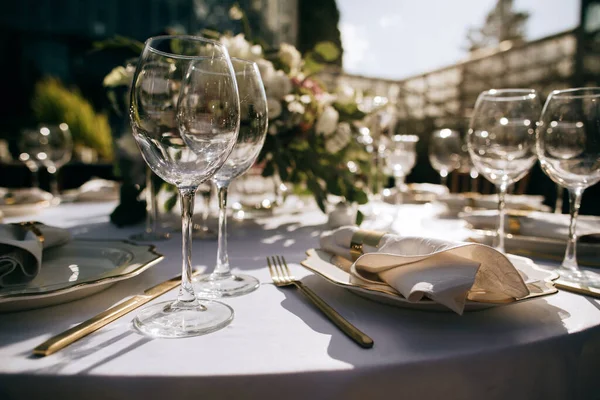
{"x":397,"y":39}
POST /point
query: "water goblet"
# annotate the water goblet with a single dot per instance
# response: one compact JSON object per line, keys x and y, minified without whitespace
{"x":568,"y":147}
{"x":501,"y":140}
{"x":445,"y":152}
{"x":400,"y":160}
{"x":201,"y":230}
{"x":30,"y":149}
{"x":185,"y":117}
{"x":252,"y":132}
{"x":58,"y":149}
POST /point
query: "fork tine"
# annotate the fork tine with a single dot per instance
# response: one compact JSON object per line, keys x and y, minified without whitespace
{"x":278,"y":268}
{"x":273,"y":273}
{"x":286,"y":267}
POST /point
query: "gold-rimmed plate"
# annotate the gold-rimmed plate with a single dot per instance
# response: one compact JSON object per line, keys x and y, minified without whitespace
{"x":79,"y":269}
{"x":540,"y":283}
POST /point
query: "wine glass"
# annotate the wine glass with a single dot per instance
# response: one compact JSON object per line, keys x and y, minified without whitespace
{"x":58,"y":146}
{"x":185,"y":116}
{"x":568,"y":147}
{"x":151,"y":232}
{"x":29,"y":150}
{"x":252,"y":132}
{"x":501,"y":140}
{"x":445,"y":152}
{"x":201,"y":230}
{"x":400,"y":160}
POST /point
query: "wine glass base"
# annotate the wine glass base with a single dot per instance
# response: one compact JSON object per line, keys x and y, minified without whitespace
{"x":169,"y":319}
{"x":231,"y":286}
{"x":150,"y":237}
{"x":584,"y":278}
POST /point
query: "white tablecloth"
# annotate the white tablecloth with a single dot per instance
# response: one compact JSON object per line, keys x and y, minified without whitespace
{"x":279,"y":345}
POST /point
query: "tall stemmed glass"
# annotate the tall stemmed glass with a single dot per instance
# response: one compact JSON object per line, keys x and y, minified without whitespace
{"x":501,"y":140}
{"x":445,"y":152}
{"x":58,"y":148}
{"x":253,"y":129}
{"x":185,"y":119}
{"x":568,"y":146}
{"x":400,"y":160}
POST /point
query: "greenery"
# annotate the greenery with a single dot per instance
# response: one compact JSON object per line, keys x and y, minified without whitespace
{"x":502,"y":23}
{"x":319,"y":23}
{"x":53,"y":103}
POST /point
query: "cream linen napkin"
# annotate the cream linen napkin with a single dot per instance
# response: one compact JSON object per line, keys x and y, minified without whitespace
{"x":540,"y":224}
{"x":21,"y":251}
{"x":446,"y":272}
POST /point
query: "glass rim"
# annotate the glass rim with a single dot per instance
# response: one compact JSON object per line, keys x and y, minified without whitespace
{"x":576,"y":93}
{"x":508,"y":94}
{"x":147,"y":44}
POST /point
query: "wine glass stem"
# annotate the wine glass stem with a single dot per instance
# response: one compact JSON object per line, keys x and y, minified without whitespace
{"x":559,"y":200}
{"x":499,"y":242}
{"x":152,"y":203}
{"x":570,"y":260}
{"x":186,"y":292}
{"x":399,"y":182}
{"x":53,"y":183}
{"x":222,"y":268}
{"x":444,"y":179}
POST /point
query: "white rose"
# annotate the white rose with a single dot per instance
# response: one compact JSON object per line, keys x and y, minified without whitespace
{"x":290,"y":56}
{"x":237,"y":46}
{"x":274,"y":106}
{"x":345,"y":94}
{"x":342,"y":137}
{"x":327,"y":121}
{"x":266,"y":69}
{"x":119,"y":76}
{"x":278,"y":85}
{"x":296,"y":107}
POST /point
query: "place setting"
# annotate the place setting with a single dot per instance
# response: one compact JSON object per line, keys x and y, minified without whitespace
{"x":231,"y":214}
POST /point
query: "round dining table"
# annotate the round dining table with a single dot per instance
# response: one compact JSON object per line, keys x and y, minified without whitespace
{"x":280,"y":346}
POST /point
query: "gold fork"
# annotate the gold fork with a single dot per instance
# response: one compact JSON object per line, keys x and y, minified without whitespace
{"x":280,"y":273}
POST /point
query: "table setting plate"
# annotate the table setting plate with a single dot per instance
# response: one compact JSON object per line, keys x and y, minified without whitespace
{"x":540,"y":283}
{"x":78,"y":269}
{"x":457,"y":202}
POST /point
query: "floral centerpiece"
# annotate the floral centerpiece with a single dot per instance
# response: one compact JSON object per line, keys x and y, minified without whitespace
{"x":310,"y":141}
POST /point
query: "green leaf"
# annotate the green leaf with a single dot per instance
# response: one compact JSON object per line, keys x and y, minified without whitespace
{"x":311,"y":65}
{"x":329,"y":51}
{"x":170,"y":203}
{"x":360,"y":217}
{"x":360,"y":197}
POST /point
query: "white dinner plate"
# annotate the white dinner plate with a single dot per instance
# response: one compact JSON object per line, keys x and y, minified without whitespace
{"x":539,"y":282}
{"x":18,"y":202}
{"x":79,"y":269}
{"x":457,"y":202}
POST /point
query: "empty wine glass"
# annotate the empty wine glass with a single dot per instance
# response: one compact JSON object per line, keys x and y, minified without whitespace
{"x":501,"y":140}
{"x":252,"y":132}
{"x":400,"y":160}
{"x":59,"y":149}
{"x":30,"y":149}
{"x":445,"y":152}
{"x":185,"y":117}
{"x":568,"y":146}
{"x":201,"y":230}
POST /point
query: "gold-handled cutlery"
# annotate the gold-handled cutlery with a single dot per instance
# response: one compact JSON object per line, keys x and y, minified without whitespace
{"x":75,"y":333}
{"x":280,"y":273}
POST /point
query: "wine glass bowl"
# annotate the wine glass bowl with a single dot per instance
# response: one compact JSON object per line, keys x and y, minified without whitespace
{"x":568,"y":147}
{"x":501,"y":140}
{"x":401,"y":159}
{"x":445,"y":152}
{"x":252,"y":133}
{"x":184,"y":113}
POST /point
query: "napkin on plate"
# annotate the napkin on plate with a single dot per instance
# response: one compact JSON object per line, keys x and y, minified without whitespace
{"x":446,"y":272}
{"x":539,"y":224}
{"x":94,"y":190}
{"x":9,"y":197}
{"x":21,"y":251}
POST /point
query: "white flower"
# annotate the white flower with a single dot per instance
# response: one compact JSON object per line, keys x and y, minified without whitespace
{"x":296,"y":107}
{"x":265,"y":68}
{"x":236,"y":13}
{"x":239,"y":47}
{"x":345,"y":94}
{"x":274,"y":107}
{"x":290,"y":56}
{"x":277,"y":85}
{"x":119,"y":76}
{"x":340,"y":139}
{"x":327,"y":122}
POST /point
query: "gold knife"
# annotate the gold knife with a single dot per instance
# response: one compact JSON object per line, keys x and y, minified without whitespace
{"x":75,"y":333}
{"x":575,"y":288}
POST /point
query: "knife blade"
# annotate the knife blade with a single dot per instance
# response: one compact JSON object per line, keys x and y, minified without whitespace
{"x":83,"y":329}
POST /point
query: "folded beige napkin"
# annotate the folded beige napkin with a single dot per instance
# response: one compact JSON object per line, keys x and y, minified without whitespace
{"x":447,"y":272}
{"x":9,"y":197}
{"x":94,"y":190}
{"x":540,"y":224}
{"x":21,"y":250}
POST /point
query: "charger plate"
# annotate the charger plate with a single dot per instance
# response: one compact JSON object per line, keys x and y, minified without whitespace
{"x":79,"y":269}
{"x":540,"y":283}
